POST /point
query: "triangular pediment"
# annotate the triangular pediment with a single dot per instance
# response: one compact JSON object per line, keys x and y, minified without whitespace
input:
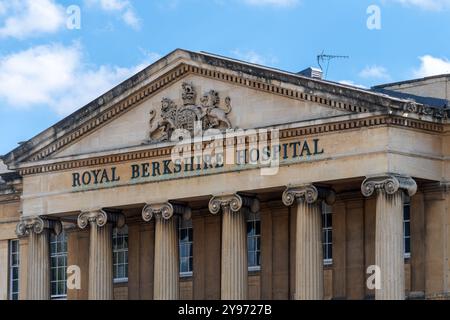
{"x":224,"y":94}
{"x":197,"y":103}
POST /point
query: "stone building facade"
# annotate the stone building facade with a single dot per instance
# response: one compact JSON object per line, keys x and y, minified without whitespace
{"x":300,"y":189}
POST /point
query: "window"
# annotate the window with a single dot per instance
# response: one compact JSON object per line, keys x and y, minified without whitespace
{"x":185,"y":239}
{"x":327,"y":234}
{"x":407,"y":228}
{"x":58,"y":268}
{"x":14,"y":269}
{"x":120,"y":254}
{"x":254,"y":241}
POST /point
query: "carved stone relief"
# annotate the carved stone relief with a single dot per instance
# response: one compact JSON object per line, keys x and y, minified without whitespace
{"x":211,"y":113}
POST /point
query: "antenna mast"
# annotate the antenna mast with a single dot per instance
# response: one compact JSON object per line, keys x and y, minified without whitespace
{"x":327,"y":58}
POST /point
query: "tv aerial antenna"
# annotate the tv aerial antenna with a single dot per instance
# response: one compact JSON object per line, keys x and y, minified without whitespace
{"x":326,"y":58}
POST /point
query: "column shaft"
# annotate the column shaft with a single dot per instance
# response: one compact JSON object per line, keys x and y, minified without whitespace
{"x":389,"y":246}
{"x":309,"y":253}
{"x":38,"y":286}
{"x":100,"y":262}
{"x":166,"y":279}
{"x":390,"y":189}
{"x":234,"y":255}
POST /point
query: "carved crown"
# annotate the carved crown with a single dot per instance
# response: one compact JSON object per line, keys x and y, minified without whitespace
{"x":189,"y":95}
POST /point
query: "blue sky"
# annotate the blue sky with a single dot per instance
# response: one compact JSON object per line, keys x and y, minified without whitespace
{"x":48,"y":70}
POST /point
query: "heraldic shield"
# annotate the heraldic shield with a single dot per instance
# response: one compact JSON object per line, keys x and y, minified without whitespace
{"x":172,"y":117}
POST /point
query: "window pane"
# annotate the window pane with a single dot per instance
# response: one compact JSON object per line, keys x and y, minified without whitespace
{"x":14,"y":245}
{"x":253,"y":239}
{"x":120,"y":253}
{"x":185,"y":236}
{"x":13,"y":269}
{"x":250,"y":229}
{"x":15,"y":273}
{"x":62,"y":288}
{"x":58,"y":260}
{"x":406,"y":212}
{"x":251,"y":260}
{"x":121,"y":271}
{"x":251,"y":244}
{"x":61,"y":273}
{"x":184,"y":265}
{"x":15,"y":286}
{"x":407,"y":246}
{"x":52,"y":247}
{"x":182,"y":235}
{"x":327,"y":232}
{"x":406,"y":227}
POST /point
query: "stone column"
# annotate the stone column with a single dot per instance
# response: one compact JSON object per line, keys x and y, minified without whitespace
{"x":309,"y":251}
{"x":389,"y":231}
{"x":100,"y":222}
{"x":166,"y":268}
{"x":38,"y":270}
{"x":234,"y":266}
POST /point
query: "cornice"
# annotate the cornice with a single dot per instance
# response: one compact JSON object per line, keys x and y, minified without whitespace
{"x":313,"y":130}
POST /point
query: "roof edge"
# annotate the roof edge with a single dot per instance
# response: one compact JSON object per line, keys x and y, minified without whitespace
{"x":391,"y":84}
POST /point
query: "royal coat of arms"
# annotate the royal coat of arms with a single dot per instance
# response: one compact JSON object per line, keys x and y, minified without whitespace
{"x":210,"y":114}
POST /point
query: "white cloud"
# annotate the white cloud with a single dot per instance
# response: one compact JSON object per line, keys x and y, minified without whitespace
{"x":374,"y":72}
{"x":434,"y":5}
{"x":254,"y":57}
{"x":131,"y":19}
{"x":122,"y":7}
{"x":2,"y":8}
{"x":352,"y":83}
{"x":275,"y":3}
{"x":58,"y":77}
{"x":25,"y":18}
{"x":431,"y":66}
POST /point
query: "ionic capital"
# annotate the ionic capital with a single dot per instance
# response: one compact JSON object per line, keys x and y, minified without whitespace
{"x":233,"y":202}
{"x":37,"y":225}
{"x":100,"y":218}
{"x":165,"y":211}
{"x":308,"y":193}
{"x":389,"y":184}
